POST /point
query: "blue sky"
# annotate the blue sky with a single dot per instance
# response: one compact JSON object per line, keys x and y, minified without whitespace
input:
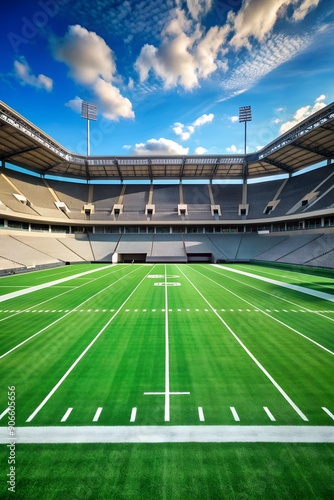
{"x":168,"y":77}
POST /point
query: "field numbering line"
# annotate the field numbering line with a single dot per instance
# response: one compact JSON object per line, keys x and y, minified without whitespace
{"x":4,"y":412}
{"x":133,"y":415}
{"x":58,"y":384}
{"x":67,"y":414}
{"x":201,"y":414}
{"x":256,"y":361}
{"x":235,"y":414}
{"x":97,"y":414}
{"x":329,"y":413}
{"x":270,"y":415}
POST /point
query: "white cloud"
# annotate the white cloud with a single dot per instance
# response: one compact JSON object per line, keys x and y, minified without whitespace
{"x":127,"y":146}
{"x":186,"y":55}
{"x":198,"y":8}
{"x":234,"y":119}
{"x":305,"y":7}
{"x":185,"y":131}
{"x":24,"y":74}
{"x":201,"y":120}
{"x":75,"y":104}
{"x":234,"y":150}
{"x":256,"y":18}
{"x":262,"y":60}
{"x":113,"y":105}
{"x":86,"y":54}
{"x":303,"y":113}
{"x":91,"y":63}
{"x":200,"y":151}
{"x":160,"y":147}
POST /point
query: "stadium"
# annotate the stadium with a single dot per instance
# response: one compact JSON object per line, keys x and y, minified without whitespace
{"x":166,"y":322}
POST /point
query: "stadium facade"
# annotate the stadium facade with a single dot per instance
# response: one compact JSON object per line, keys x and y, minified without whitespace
{"x":199,"y":208}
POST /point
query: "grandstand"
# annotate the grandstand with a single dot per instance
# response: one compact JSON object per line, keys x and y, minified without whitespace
{"x":165,"y":213}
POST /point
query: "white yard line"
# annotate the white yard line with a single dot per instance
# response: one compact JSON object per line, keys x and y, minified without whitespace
{"x":172,"y":434}
{"x":269,"y":315}
{"x":46,"y":399}
{"x":307,"y":291}
{"x":167,"y":386}
{"x":64,"y":316}
{"x":266,"y":373}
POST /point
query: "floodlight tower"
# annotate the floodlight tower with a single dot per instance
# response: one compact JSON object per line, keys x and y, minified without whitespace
{"x":245,"y":115}
{"x":88,"y":112}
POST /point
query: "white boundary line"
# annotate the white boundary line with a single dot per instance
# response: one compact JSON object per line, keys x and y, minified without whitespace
{"x":75,"y":289}
{"x":307,"y":291}
{"x":266,"y":373}
{"x":318,"y":313}
{"x":267,"y":314}
{"x":172,"y":434}
{"x":13,"y":295}
{"x":167,"y":386}
{"x":46,"y":399}
{"x":201,"y":414}
{"x":64,"y":316}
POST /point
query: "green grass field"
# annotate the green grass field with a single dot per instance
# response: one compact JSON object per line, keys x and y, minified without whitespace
{"x":192,"y":346}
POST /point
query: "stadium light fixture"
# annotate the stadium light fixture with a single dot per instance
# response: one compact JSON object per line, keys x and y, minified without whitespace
{"x":88,"y":112}
{"x":245,"y":115}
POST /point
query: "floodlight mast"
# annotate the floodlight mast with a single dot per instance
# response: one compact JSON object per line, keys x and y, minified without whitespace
{"x":88,"y":112}
{"x":245,"y":115}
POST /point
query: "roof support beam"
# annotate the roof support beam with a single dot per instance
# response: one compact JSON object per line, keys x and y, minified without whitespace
{"x":277,"y":164}
{"x":321,"y":152}
{"x":118,"y":169}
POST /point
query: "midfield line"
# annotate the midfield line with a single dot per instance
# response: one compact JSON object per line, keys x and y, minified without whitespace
{"x":64,"y":316}
{"x":167,"y":387}
{"x":71,"y":368}
{"x":266,"y":373}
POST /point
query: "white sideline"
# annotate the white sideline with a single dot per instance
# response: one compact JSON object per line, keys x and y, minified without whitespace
{"x":314,"y":293}
{"x":12,"y":295}
{"x":171,"y":434}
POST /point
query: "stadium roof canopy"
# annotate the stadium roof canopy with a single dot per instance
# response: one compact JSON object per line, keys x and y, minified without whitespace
{"x":309,"y":143}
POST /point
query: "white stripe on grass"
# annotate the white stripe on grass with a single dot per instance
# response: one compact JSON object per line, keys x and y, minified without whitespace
{"x":235,"y":414}
{"x":329,"y":413}
{"x":266,"y":373}
{"x":4,"y":412}
{"x":62,"y":317}
{"x":267,"y":314}
{"x":97,"y":414}
{"x":133,"y":415}
{"x":201,"y":414}
{"x":167,"y":386}
{"x":270,"y":415}
{"x":67,"y":414}
{"x":46,"y":399}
